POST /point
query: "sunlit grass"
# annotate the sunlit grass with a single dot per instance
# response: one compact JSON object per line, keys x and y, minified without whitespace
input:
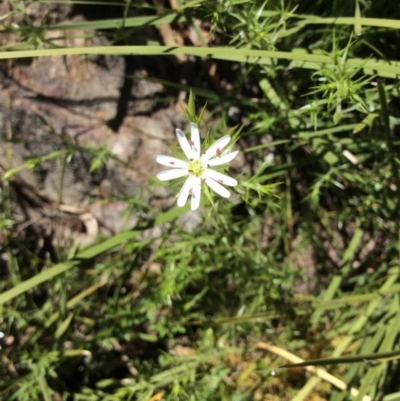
{"x":303,"y":258}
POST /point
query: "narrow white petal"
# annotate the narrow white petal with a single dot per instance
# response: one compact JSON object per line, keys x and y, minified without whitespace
{"x":218,"y":161}
{"x":187,"y":149}
{"x":195,"y":140}
{"x":219,"y":177}
{"x":196,"y":195}
{"x":170,"y":161}
{"x":215,"y":148}
{"x":171,"y":174}
{"x":218,"y":188}
{"x":186,"y":189}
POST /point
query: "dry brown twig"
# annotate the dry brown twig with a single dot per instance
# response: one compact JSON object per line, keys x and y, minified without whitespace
{"x":321,"y":373}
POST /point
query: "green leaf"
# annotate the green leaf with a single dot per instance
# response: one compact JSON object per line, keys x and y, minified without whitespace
{"x":191,"y":109}
{"x":357,"y":20}
{"x":171,"y":214}
{"x":392,"y":397}
{"x":367,"y":121}
{"x":330,"y":158}
{"x":63,"y":327}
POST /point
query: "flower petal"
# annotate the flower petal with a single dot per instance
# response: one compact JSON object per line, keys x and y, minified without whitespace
{"x":170,"y":161}
{"x":186,"y":188}
{"x":218,"y":161}
{"x":218,"y":188}
{"x":171,"y":174}
{"x":184,"y":144}
{"x":195,"y":140}
{"x":215,"y":148}
{"x":219,"y":177}
{"x":196,"y":194}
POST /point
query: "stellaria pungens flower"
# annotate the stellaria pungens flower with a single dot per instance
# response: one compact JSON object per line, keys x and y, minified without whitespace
{"x":198,"y":167}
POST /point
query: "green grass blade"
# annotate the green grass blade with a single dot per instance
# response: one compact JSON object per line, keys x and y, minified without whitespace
{"x":35,"y":281}
{"x":327,"y":297}
{"x":106,"y":245}
{"x":382,"y":68}
{"x":63,"y":327}
{"x":306,"y":389}
{"x":376,"y":357}
{"x":351,"y":250}
{"x":117,"y":23}
{"x":357,"y":20}
{"x":171,"y":214}
{"x":87,"y":253}
{"x":392,"y":397}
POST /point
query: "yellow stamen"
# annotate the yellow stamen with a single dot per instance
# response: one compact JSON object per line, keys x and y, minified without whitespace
{"x":196,"y":168}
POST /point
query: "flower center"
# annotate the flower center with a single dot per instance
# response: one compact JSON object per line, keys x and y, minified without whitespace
{"x":196,"y":168}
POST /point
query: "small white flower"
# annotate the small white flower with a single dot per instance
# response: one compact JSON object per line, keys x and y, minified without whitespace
{"x":198,"y":167}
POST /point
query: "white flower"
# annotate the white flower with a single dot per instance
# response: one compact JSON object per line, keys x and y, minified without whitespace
{"x":198,"y":167}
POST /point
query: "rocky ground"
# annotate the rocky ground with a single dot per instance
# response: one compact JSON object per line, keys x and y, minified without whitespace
{"x":81,"y":104}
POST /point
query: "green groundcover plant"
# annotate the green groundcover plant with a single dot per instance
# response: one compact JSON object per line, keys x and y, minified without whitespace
{"x":285,"y":287}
